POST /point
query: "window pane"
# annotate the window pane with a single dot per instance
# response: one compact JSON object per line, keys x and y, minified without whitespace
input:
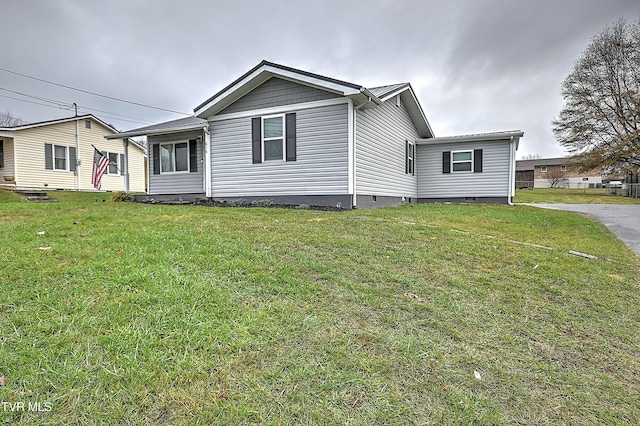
{"x":462,"y":167}
{"x":182,"y":157}
{"x":166,"y":158}
{"x":60,"y":154}
{"x":462,"y":156}
{"x":113,"y":163}
{"x":273,"y":127}
{"x":273,"y":150}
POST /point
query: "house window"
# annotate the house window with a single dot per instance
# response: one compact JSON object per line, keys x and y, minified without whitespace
{"x":462,"y":161}
{"x":87,"y":124}
{"x":563,"y":168}
{"x":273,"y":138}
{"x":60,"y":158}
{"x":543,"y":169}
{"x":585,"y":179}
{"x":410,"y":150}
{"x":174,"y":157}
{"x":114,"y":164}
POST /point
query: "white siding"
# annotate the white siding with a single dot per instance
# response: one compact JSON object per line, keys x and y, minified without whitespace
{"x":176,"y":183}
{"x":492,"y":182}
{"x":380,"y":151}
{"x":8,"y":169}
{"x":321,"y":167}
{"x":30,"y":168}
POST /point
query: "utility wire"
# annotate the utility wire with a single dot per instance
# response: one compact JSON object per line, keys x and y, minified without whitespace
{"x":38,"y":98}
{"x":93,"y":93}
{"x":79,"y":107}
{"x":65,"y":105}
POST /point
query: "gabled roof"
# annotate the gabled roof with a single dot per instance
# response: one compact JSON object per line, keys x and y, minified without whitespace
{"x":8,"y":131}
{"x":384,"y":91}
{"x":60,"y":120}
{"x":362,"y":97}
{"x":263,"y":72}
{"x":173,"y":126}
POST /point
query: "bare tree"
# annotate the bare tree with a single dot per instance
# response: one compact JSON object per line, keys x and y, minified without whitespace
{"x":9,"y":120}
{"x":600,"y":119}
{"x":557,"y":178}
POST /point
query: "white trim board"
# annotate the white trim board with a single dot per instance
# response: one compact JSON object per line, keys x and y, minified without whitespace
{"x":278,"y":110}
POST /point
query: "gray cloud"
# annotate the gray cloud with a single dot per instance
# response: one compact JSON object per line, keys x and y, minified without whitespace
{"x":475,"y":65}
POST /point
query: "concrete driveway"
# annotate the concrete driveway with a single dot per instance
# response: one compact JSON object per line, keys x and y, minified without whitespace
{"x":621,"y":219}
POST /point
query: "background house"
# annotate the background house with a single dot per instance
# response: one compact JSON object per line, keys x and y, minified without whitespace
{"x":555,"y":173}
{"x":58,"y":154}
{"x":288,"y":136}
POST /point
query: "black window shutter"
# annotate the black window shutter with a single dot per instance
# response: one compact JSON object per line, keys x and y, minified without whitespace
{"x":414,"y":156}
{"x":48,"y":156}
{"x":256,"y":139}
{"x":122,"y":167}
{"x":477,"y":161}
{"x":1,"y":153}
{"x":72,"y":159}
{"x":290,"y":125}
{"x":446,"y":162}
{"x":156,"y":159}
{"x":406,"y":157}
{"x":193,"y":155}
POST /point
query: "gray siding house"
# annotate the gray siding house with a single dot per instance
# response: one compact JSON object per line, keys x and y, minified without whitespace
{"x":294,"y":137}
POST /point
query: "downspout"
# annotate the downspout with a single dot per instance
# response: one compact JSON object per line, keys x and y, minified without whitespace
{"x":77,"y":154}
{"x":512,"y":162}
{"x":354,"y":133}
{"x":352,"y":154}
{"x":125,"y":143}
{"x":206,"y":148}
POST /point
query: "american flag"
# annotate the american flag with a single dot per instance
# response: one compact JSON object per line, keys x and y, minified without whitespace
{"x":100,"y":166}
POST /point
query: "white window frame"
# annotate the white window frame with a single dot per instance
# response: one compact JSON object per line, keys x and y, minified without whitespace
{"x":117,"y":163}
{"x":284,"y":137}
{"x":66,"y":158}
{"x":543,"y":169}
{"x":563,"y":168}
{"x":453,"y":154}
{"x":411,"y":157}
{"x":163,"y":172}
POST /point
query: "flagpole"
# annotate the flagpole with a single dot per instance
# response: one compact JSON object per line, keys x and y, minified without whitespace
{"x":110,"y":162}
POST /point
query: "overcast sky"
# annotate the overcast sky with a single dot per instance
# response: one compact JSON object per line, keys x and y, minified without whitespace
{"x":476,"y":65}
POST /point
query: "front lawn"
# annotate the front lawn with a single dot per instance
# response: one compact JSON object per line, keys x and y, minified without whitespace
{"x":571,"y":196}
{"x":121,"y":313}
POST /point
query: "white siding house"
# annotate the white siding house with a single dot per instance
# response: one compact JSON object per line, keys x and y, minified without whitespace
{"x":293,"y":137}
{"x":58,"y":154}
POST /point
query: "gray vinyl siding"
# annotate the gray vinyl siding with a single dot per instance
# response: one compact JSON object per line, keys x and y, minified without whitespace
{"x":176,"y":183}
{"x":277,"y":92}
{"x":492,"y":182}
{"x":380,"y":151}
{"x":322,"y":157}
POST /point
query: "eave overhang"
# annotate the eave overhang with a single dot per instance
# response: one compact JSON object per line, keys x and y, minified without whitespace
{"x":506,"y":136}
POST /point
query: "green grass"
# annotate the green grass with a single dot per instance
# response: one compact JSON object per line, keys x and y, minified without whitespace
{"x":10,"y":197}
{"x":146,"y":314}
{"x":571,"y":196}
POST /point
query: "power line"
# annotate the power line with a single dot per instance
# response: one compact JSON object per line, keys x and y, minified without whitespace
{"x":80,"y":107}
{"x":65,"y":105}
{"x":93,"y":93}
{"x":60,"y":104}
